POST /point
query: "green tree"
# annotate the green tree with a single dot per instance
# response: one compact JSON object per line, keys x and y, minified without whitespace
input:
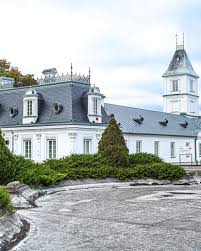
{"x":7,"y":169}
{"x":13,"y":72}
{"x":112,"y":145}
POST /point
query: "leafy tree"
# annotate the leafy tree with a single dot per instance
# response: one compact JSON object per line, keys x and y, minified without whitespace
{"x":13,"y":72}
{"x":112,"y":145}
{"x":7,"y":169}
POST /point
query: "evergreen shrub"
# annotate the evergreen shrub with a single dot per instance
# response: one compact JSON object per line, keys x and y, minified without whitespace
{"x":7,"y":167}
{"x":5,"y":202}
{"x":112,"y":145}
{"x":143,"y":158}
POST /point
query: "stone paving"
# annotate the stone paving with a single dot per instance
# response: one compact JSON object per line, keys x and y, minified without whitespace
{"x":115,"y":217}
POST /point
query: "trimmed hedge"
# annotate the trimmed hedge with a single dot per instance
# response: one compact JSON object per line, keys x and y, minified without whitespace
{"x":92,"y":166}
{"x":143,"y":158}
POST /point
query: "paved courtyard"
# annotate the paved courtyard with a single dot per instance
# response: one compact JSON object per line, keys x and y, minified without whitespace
{"x":116,"y":217}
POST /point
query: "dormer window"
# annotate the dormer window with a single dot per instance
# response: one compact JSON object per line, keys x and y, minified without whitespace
{"x":175,"y":85}
{"x":95,"y":106}
{"x":29,"y":107}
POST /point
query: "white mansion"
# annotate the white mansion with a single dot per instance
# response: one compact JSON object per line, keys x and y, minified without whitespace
{"x":66,"y":114}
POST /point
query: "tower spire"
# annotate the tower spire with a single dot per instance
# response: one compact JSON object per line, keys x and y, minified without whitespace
{"x":179,"y":41}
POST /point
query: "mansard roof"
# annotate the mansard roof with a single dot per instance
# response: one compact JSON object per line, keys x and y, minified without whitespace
{"x":147,"y":122}
{"x":71,"y":95}
{"x":180,"y":65}
{"x":73,"y":98}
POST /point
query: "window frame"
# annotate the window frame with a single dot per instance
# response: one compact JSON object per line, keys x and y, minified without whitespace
{"x":27,"y":152}
{"x":175,"y":85}
{"x":89,"y":146}
{"x":53,"y":153}
{"x":29,"y":107}
{"x":191,"y":86}
{"x":199,"y":149}
{"x":172,"y":149}
{"x":138,"y":146}
{"x":156,"y":150}
{"x":95,"y":106}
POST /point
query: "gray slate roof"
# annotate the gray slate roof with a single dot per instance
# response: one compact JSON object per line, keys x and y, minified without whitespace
{"x":70,"y":94}
{"x":151,"y":126}
{"x":179,"y":65}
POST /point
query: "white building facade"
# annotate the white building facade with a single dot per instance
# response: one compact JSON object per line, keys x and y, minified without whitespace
{"x":65,"y":115}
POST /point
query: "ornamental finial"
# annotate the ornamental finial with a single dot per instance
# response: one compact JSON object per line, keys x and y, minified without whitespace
{"x":71,"y":71}
{"x":89,"y":75}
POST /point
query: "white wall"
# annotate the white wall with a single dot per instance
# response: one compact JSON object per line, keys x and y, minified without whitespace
{"x":70,"y":139}
{"x":164,"y":146}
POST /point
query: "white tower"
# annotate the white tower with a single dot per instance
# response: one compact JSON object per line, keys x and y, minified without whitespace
{"x":181,"y":84}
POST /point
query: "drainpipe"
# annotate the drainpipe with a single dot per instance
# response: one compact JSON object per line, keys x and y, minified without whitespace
{"x":195,"y":145}
{"x":12,"y":148}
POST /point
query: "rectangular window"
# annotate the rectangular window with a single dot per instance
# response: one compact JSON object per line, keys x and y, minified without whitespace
{"x":156,"y":148}
{"x":199,"y":149}
{"x":87,"y":146}
{"x":175,"y":85}
{"x":95,"y":106}
{"x":29,"y":108}
{"x":192,"y":106}
{"x":172,"y":149}
{"x":51,"y":145}
{"x":138,"y":146}
{"x":27,"y":149}
{"x":191,"y":86}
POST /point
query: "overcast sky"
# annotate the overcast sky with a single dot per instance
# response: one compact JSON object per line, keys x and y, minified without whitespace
{"x":127,"y":43}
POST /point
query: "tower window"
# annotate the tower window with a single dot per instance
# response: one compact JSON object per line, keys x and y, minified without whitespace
{"x":175,"y":85}
{"x":192,"y":106}
{"x":95,"y":106}
{"x":29,"y":108}
{"x":191,"y":86}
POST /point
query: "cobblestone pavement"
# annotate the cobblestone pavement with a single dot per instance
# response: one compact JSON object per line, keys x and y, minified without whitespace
{"x":116,"y":217}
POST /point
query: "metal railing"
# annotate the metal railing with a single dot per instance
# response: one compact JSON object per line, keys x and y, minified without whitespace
{"x":64,"y":78}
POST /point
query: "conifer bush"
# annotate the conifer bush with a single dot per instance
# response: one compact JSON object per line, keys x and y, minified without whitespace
{"x":5,"y":202}
{"x":7,"y":167}
{"x":112,"y":145}
{"x":143,"y":158}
